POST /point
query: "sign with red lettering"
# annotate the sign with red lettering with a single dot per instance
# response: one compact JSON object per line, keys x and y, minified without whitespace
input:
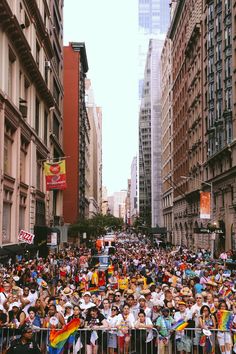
{"x":25,"y":236}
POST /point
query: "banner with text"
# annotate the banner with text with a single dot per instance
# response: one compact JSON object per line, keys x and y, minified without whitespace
{"x":205,"y":205}
{"x":25,"y":236}
{"x":55,"y":174}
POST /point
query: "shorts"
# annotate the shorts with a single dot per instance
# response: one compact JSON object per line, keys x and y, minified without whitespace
{"x":112,"y":340}
{"x":122,"y":340}
{"x":224,"y":337}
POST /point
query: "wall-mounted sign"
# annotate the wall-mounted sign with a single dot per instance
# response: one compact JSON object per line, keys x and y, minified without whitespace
{"x":26,"y":237}
{"x":205,"y":205}
{"x":55,"y":174}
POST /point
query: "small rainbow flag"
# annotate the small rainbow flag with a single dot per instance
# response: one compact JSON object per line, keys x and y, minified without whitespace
{"x":93,"y":290}
{"x":224,"y":319}
{"x":228,"y":293}
{"x":179,"y":325}
{"x":59,"y":338}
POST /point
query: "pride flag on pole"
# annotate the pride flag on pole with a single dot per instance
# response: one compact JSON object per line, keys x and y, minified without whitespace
{"x":58,"y":338}
{"x":179,"y":325}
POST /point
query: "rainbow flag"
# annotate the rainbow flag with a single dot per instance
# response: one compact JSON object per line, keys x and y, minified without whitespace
{"x":179,"y":325}
{"x":58,"y":339}
{"x":228,"y":293}
{"x":224,"y":319}
{"x":93,"y":290}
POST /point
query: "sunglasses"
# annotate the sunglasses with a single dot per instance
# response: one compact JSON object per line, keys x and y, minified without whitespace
{"x":117,"y":295}
{"x":114,"y":310}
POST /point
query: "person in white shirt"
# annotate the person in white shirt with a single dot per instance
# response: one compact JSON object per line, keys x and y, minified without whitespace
{"x":183,"y":342}
{"x":125,"y":322}
{"x":144,"y":335}
{"x":143,"y":306}
{"x":112,"y":335}
{"x":86,"y":303}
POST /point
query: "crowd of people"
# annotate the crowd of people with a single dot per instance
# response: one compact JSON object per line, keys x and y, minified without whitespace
{"x":130,"y":307}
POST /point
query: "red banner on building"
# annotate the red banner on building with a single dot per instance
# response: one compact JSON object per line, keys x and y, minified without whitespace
{"x":55,"y":174}
{"x":205,"y":205}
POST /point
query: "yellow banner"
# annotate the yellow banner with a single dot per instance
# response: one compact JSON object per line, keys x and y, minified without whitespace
{"x":56,"y":168}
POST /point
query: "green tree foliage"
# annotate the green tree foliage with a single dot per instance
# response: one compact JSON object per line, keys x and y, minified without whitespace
{"x":96,"y":226}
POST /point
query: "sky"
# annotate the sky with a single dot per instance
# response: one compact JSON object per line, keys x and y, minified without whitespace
{"x":109,"y":29}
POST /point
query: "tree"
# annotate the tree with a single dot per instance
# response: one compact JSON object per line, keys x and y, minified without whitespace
{"x":96,"y":226}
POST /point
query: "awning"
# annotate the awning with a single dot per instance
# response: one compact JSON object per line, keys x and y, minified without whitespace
{"x":3,"y":254}
{"x":15,"y":249}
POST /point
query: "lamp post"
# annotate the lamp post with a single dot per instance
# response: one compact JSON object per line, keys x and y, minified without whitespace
{"x":210,"y":184}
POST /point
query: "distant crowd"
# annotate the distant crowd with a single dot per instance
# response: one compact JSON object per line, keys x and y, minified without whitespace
{"x":134,"y":303}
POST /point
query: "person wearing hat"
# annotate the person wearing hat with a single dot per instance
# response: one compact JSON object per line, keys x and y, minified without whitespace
{"x":143,"y":306}
{"x":67,"y":292}
{"x":86,"y":302}
{"x":182,"y":341}
{"x":16,"y":315}
{"x":25,"y":344}
{"x":68,"y":310}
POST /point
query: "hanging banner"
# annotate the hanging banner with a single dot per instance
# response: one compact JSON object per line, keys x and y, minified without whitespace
{"x":55,"y":174}
{"x":205,"y":205}
{"x":26,"y":237}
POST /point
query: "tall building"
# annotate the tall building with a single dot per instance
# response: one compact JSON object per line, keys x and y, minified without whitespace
{"x":104,"y":207}
{"x":150,"y":139}
{"x":167,"y":138}
{"x":31,"y":96}
{"x":134,"y":190}
{"x":94,"y":153}
{"x":128,"y":203}
{"x":154,"y":20}
{"x":203,"y":55}
{"x":76,"y":132}
{"x":119,"y":199}
{"x":219,"y":28}
{"x":177,"y":33}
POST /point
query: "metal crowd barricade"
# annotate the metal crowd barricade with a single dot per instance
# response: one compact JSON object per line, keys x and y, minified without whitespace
{"x":135,"y":341}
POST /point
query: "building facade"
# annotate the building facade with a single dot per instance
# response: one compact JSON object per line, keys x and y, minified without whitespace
{"x":219,"y":115}
{"x":31,"y":97}
{"x":134,"y":190}
{"x":95,"y":153}
{"x":167,"y":138}
{"x":76,"y":132}
{"x":150,"y":139}
{"x":203,"y":55}
{"x":177,"y":34}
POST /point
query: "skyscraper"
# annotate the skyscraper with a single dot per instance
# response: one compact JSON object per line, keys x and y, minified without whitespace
{"x":154,"y":19}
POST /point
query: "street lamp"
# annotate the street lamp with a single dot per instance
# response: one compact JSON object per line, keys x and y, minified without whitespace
{"x":210,"y":184}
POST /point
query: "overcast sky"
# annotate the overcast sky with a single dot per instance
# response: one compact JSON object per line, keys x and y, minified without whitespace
{"x":109,"y":29}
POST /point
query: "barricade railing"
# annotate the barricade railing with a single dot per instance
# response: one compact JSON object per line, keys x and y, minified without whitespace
{"x":132,"y":341}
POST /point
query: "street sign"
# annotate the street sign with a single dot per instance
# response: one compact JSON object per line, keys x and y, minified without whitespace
{"x":204,"y":230}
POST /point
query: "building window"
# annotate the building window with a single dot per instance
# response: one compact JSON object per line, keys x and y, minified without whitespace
{"x":37,"y":59}
{"x":45,"y":128}
{"x":39,"y":177}
{"x":8,"y":141}
{"x":6,"y":217}
{"x":56,"y":126}
{"x":23,"y":155}
{"x":229,"y":132}
{"x":228,"y":67}
{"x":11,"y":72}
{"x":37,"y":113}
{"x":228,"y":36}
{"x":40,"y":218}
{"x":228,"y":99}
{"x":22,"y":209}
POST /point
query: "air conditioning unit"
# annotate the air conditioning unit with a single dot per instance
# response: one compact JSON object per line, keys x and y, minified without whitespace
{"x":47,"y":64}
{"x":23,"y":107}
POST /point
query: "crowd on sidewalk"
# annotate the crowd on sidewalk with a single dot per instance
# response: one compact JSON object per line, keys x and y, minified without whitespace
{"x":145,"y":287}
